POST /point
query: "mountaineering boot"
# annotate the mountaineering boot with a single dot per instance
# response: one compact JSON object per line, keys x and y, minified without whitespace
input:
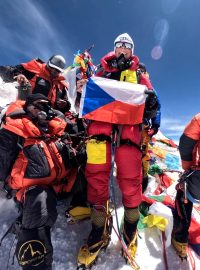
{"x":182,"y":220}
{"x":181,"y":248}
{"x":98,"y":239}
{"x":77,"y":213}
{"x":131,"y":217}
{"x":130,"y":238}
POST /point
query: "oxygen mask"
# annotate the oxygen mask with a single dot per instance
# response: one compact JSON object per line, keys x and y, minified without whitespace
{"x":122,"y":62}
{"x":46,"y":112}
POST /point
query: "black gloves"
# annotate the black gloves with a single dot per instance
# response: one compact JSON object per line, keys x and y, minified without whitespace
{"x":71,"y":128}
{"x":120,"y":63}
{"x":151,"y":106}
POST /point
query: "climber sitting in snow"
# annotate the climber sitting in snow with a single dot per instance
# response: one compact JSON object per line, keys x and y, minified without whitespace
{"x":36,"y":164}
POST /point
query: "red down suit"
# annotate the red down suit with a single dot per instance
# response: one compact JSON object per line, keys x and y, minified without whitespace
{"x":41,"y":81}
{"x":127,"y":155}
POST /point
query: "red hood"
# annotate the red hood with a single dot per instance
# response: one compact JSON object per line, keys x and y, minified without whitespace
{"x":41,"y":68}
{"x":25,"y":128}
{"x":111,"y":55}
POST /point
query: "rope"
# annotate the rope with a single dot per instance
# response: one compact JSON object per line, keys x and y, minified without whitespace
{"x":168,"y":170}
{"x":191,"y":259}
{"x":132,"y":261}
{"x":114,"y":144}
{"x":112,"y":190}
{"x":164,"y":251}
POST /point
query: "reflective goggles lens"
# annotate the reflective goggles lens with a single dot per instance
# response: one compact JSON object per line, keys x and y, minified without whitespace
{"x":123,"y":44}
{"x":54,"y":70}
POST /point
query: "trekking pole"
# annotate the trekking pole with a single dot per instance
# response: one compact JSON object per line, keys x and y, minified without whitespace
{"x":90,"y":48}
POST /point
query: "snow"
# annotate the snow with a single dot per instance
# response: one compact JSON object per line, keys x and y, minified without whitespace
{"x":67,"y":239}
{"x":8,"y":93}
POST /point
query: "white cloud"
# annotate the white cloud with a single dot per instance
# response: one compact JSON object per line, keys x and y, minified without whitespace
{"x":29,"y":31}
{"x":173,"y":127}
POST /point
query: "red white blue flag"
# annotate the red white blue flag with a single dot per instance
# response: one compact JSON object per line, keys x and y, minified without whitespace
{"x":113,"y":101}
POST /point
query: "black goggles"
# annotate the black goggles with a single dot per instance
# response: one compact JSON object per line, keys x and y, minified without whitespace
{"x":123,"y":44}
{"x":54,"y":70}
{"x":42,"y":105}
{"x":45,"y":106}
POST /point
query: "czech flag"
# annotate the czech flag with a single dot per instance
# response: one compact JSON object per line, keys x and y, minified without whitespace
{"x":113,"y":101}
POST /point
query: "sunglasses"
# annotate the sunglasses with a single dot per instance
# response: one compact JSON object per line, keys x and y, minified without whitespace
{"x":41,"y":104}
{"x":123,"y":44}
{"x":54,"y":70}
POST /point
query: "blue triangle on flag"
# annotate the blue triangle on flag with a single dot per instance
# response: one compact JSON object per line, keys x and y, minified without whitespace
{"x":95,"y":97}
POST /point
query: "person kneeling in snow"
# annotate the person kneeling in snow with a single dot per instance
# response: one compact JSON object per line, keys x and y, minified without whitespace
{"x":188,"y":188}
{"x":35,"y":166}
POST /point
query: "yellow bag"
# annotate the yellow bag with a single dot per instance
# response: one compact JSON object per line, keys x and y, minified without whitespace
{"x":129,"y":76}
{"x":96,"y":152}
{"x":158,"y":221}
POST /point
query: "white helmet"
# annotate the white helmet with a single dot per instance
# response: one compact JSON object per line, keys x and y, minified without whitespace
{"x":57,"y":61}
{"x":126,"y":39}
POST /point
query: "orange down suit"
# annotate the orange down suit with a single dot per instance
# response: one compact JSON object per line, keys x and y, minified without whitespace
{"x":39,"y":161}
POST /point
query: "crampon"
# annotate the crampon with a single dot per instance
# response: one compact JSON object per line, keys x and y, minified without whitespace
{"x":88,"y":255}
{"x":126,"y":253}
{"x":181,"y":249}
{"x":86,"y":258}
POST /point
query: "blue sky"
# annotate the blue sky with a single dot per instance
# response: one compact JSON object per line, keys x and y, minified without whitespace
{"x":165,"y":33}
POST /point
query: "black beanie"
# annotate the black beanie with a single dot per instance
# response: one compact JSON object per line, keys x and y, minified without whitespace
{"x":33,"y":97}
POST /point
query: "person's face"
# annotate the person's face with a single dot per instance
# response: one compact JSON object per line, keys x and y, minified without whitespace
{"x":53,"y":72}
{"x":37,"y":114}
{"x":123,"y":48}
{"x":34,"y":108}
